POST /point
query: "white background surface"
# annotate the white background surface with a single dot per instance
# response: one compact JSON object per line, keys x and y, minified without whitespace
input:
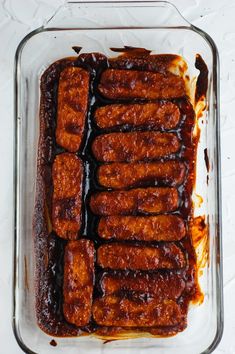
{"x":17,"y":18}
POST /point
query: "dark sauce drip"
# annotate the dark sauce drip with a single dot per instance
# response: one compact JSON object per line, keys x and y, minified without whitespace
{"x":135,"y":51}
{"x":206,"y":159}
{"x":48,"y":247}
{"x":53,"y":343}
{"x":202,"y":79}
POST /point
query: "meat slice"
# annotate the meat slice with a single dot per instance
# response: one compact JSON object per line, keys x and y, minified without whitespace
{"x":134,"y":146}
{"x":73,"y":94}
{"x":142,"y":228}
{"x":135,"y":201}
{"x":133,"y":312}
{"x":139,"y":61}
{"x":129,"y":84}
{"x":119,"y":175}
{"x":164,"y":285}
{"x":78,"y":281}
{"x":138,"y":257}
{"x":67,"y":175}
{"x":158,"y":115}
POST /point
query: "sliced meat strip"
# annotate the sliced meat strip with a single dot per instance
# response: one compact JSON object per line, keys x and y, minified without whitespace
{"x":142,"y":228}
{"x":67,"y":175}
{"x":129,"y":84}
{"x":73,"y":94}
{"x":158,"y":115}
{"x":135,"y":201}
{"x":154,"y":62}
{"x":78,"y":281}
{"x":164,"y":285}
{"x":126,"y":312}
{"x":119,"y":175}
{"x":135,"y":146}
{"x":122,"y":256}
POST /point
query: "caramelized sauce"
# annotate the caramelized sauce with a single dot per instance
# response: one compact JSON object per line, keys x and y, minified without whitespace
{"x":49,"y":249}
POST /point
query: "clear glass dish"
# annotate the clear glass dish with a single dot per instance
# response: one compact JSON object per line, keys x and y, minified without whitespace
{"x":97,"y":27}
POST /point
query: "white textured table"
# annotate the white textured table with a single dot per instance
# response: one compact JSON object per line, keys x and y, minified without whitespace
{"x":17,"y":18}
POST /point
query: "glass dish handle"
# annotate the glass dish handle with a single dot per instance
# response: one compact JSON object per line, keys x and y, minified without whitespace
{"x":81,"y":15}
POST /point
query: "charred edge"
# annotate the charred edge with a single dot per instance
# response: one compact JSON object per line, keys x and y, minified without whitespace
{"x":135,"y":51}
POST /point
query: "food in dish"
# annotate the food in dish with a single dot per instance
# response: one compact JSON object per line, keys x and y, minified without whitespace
{"x":157,"y":115}
{"x":142,"y":228}
{"x":73,"y":94}
{"x":134,"y":146}
{"x":78,"y":281}
{"x":67,"y":175}
{"x":125,"y":175}
{"x":116,"y":171}
{"x":127,"y":84}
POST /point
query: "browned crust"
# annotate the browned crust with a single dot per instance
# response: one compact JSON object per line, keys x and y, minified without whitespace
{"x":134,"y":146}
{"x":125,"y":175}
{"x":122,"y":256}
{"x":157,"y":115}
{"x":137,"y":60}
{"x":73,"y":94}
{"x":49,"y":248}
{"x":126,"y":312}
{"x":128,"y":84}
{"x":142,"y":228}
{"x":78,"y":281}
{"x":164,"y":285}
{"x":141,"y":201}
{"x":67,"y":175}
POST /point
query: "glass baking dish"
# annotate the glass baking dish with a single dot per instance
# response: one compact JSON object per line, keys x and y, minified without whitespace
{"x":96,"y":27}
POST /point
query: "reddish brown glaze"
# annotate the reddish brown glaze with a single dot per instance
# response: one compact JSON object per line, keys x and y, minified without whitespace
{"x":111,"y":333}
{"x":136,"y":257}
{"x":164,"y":285}
{"x":128,"y":84}
{"x":125,"y":175}
{"x":133,"y":115}
{"x":78,"y":281}
{"x":72,"y":107}
{"x":127,"y":312}
{"x":137,"y":59}
{"x":141,"y":201}
{"x":202,"y":79}
{"x":158,"y":115}
{"x":142,"y":228}
{"x":67,"y":174}
{"x":134,"y":146}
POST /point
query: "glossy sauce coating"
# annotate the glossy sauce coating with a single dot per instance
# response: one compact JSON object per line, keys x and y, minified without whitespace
{"x":156,"y":115}
{"x":126,"y":312}
{"x":139,"y":257}
{"x":125,"y":175}
{"x":50,"y":248}
{"x":72,"y":107}
{"x":67,"y":175}
{"x":78,"y":281}
{"x":164,"y":285}
{"x":134,"y":146}
{"x":127,"y":84}
{"x":135,"y":201}
{"x":139,"y":59}
{"x":142,"y":228}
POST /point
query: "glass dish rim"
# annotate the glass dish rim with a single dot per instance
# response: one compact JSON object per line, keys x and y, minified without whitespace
{"x":216,"y":109}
